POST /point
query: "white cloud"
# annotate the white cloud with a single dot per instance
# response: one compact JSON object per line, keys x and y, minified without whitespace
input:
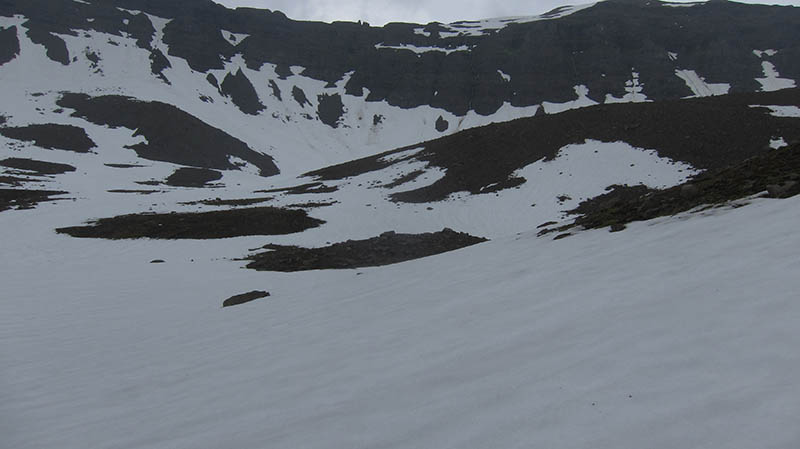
{"x":379,"y":12}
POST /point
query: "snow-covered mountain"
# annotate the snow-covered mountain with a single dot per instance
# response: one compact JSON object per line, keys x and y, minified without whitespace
{"x":150,"y":151}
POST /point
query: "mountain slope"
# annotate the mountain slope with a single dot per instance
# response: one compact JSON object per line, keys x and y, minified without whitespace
{"x":201,"y":140}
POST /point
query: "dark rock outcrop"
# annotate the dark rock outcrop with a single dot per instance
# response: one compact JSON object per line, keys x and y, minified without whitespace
{"x":441,"y":124}
{"x":9,"y":44}
{"x":202,"y":225}
{"x":172,"y":134}
{"x":193,"y":177}
{"x":330,"y":109}
{"x":38,"y":167}
{"x":52,"y":137}
{"x":300,"y":96}
{"x":241,"y":91}
{"x":388,"y":248}
{"x":24,"y":199}
{"x":244,"y":298}
{"x":598,"y":47}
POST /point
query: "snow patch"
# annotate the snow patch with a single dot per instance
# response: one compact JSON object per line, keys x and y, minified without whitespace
{"x":772,"y":81}
{"x":506,"y":77}
{"x":488,"y":26}
{"x":422,"y":32}
{"x":777,"y":143}
{"x":133,"y":12}
{"x":761,"y":53}
{"x":781,"y":111}
{"x":233,"y":38}
{"x":672,"y":56}
{"x":421,"y":50}
{"x":699,"y":86}
{"x":582,"y":101}
{"x":634,"y":89}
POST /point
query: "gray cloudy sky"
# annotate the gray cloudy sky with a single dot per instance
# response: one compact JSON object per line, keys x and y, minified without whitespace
{"x":378,"y":12}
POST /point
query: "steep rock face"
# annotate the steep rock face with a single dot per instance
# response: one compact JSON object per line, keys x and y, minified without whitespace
{"x":615,"y":48}
{"x":242,"y":92}
{"x":9,"y":44}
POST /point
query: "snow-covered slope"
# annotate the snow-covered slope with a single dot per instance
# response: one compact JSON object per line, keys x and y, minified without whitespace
{"x":679,"y":332}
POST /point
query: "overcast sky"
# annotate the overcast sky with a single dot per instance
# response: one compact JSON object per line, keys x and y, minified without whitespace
{"x":378,"y":12}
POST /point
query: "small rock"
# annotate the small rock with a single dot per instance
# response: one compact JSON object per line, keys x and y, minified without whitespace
{"x":157,"y":261}
{"x":616,"y":227}
{"x":689,"y":191}
{"x":244,"y":298}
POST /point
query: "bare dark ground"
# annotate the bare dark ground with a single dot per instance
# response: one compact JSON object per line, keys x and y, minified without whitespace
{"x":386,"y":249}
{"x":312,"y":187}
{"x":244,"y":298}
{"x":202,"y":225}
{"x":139,"y":192}
{"x":776,"y":172}
{"x":39,"y":167}
{"x":193,"y":177}
{"x":52,"y":137}
{"x":124,"y":165}
{"x":232,"y":202}
{"x":24,"y":199}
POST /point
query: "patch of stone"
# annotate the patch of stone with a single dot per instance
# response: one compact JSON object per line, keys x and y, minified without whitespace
{"x":232,"y":202}
{"x":52,"y":137}
{"x":330,"y":109}
{"x":138,"y":192}
{"x":197,"y":225}
{"x":9,"y":45}
{"x":124,"y":165}
{"x":36,"y":166}
{"x":312,"y":187}
{"x":388,"y":248}
{"x":241,"y":91}
{"x":25,"y":199}
{"x":193,"y":177}
{"x":244,"y":298}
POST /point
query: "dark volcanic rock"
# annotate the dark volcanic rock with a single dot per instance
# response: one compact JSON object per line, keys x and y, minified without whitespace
{"x":40,"y":167}
{"x":193,"y":177}
{"x":388,"y":248}
{"x":202,"y":225}
{"x":9,"y":44}
{"x":52,"y":137}
{"x":330,"y":109}
{"x":706,"y":133}
{"x":244,"y":298}
{"x":241,"y":91}
{"x":172,"y":134}
{"x":24,"y":199}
